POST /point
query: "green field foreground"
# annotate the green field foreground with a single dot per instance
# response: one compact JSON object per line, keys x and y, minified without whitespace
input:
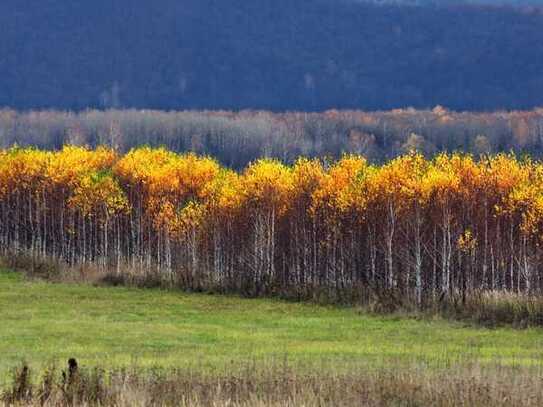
{"x":46,"y":323}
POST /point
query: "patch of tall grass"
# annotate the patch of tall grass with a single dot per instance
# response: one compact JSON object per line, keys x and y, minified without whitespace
{"x":473,"y":385}
{"x":496,"y":308}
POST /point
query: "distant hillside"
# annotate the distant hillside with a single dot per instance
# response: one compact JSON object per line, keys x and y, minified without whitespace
{"x":278,"y":55}
{"x":440,"y":3}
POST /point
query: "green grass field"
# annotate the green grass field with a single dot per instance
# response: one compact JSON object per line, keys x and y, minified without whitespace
{"x":42,"y":323}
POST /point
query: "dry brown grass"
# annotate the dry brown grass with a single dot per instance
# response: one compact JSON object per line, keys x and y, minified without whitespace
{"x":460,"y":386}
{"x":495,"y":308}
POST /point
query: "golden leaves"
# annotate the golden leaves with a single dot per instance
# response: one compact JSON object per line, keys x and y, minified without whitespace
{"x":66,"y":167}
{"x":180,"y":192}
{"x":338,"y":189}
{"x":268,"y":183}
{"x":466,"y":241}
{"x":99,"y":195}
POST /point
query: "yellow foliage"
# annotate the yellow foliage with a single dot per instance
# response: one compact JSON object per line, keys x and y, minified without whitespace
{"x":66,"y":167}
{"x":268,"y":184}
{"x":338,"y":187}
{"x":99,"y":195}
{"x":179,"y":192}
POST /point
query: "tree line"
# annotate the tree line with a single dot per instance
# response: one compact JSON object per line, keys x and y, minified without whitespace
{"x":423,"y":228}
{"x":238,"y":138}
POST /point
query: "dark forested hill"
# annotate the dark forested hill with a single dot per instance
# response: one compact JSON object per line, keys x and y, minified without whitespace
{"x":279,"y":55}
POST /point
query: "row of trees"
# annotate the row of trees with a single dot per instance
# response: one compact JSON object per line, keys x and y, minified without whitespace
{"x":236,"y":139}
{"x":423,"y":228}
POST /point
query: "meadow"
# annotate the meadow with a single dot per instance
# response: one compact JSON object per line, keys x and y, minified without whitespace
{"x":118,"y":326}
{"x":257,"y":344}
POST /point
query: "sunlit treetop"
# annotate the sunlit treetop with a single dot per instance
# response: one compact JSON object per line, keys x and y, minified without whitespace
{"x":268,"y":183}
{"x":67,"y":166}
{"x":99,"y":194}
{"x":339,"y":186}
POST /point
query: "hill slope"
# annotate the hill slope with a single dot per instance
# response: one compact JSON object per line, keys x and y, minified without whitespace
{"x":281,"y":55}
